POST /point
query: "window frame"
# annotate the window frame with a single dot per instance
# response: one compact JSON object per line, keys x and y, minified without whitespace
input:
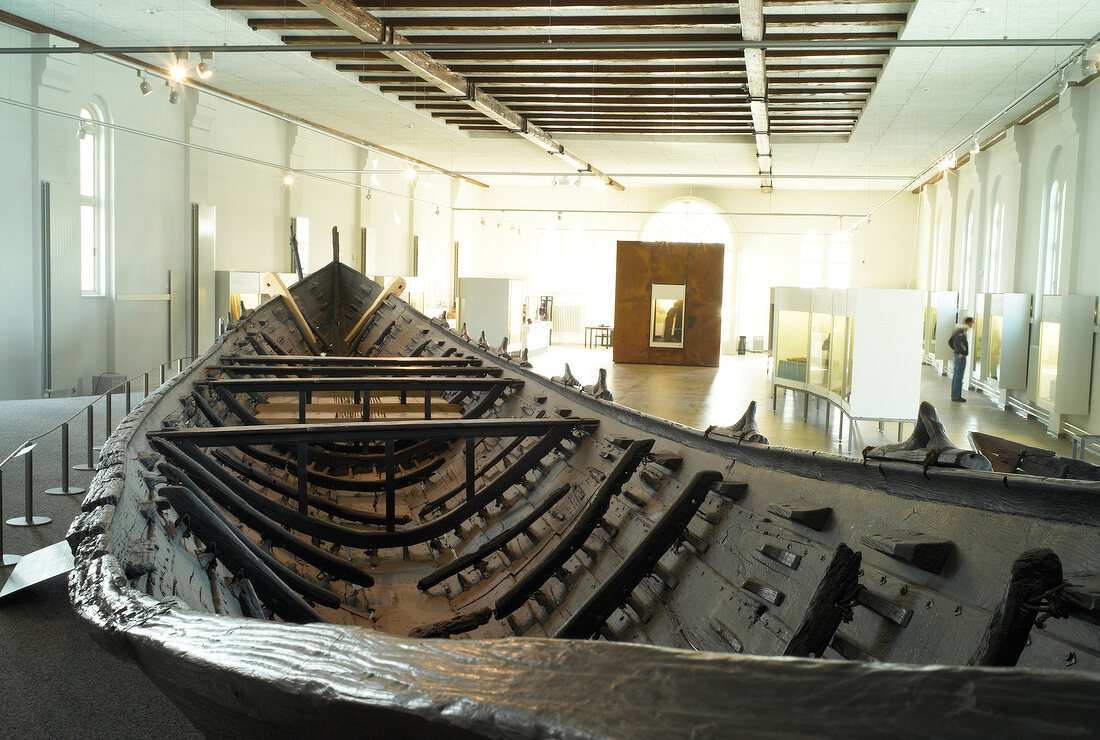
{"x":90,"y":119}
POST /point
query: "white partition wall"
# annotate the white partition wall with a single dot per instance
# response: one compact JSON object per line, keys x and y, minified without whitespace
{"x":886,"y":353}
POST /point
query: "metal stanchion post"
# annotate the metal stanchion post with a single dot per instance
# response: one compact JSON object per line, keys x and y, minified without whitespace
{"x":90,"y":464}
{"x":28,"y":519}
{"x":162,"y":373}
{"x":65,"y":488}
{"x":146,"y":386}
{"x":107,"y":430}
{"x":7,"y":559}
{"x":179,"y":366}
{"x":127,"y":386}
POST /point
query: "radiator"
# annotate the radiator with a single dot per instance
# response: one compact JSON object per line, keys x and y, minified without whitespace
{"x":568,"y":318}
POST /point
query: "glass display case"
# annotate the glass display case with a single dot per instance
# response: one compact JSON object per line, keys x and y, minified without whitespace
{"x":930,"y":330}
{"x":846,"y":387}
{"x":792,"y":331}
{"x":666,"y":315}
{"x":996,"y":333}
{"x":838,"y":355}
{"x":821,"y":329}
{"x":980,"y":324}
{"x":1049,"y":335}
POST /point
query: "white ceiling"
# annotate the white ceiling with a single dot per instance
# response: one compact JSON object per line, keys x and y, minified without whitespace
{"x":926,"y":100}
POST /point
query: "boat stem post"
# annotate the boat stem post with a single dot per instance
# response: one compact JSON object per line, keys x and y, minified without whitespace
{"x":390,"y":492}
{"x":90,"y":463}
{"x":28,"y":519}
{"x":65,"y":489}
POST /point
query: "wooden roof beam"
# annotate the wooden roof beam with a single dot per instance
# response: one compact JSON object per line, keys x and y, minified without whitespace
{"x":367,"y":27}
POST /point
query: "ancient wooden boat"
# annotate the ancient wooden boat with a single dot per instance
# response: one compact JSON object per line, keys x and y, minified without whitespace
{"x":347,"y":517}
{"x":1007,"y":456}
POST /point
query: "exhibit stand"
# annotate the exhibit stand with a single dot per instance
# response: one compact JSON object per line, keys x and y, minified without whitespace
{"x":1002,"y":331}
{"x":493,"y":306}
{"x":1063,"y":357}
{"x":857,"y":349}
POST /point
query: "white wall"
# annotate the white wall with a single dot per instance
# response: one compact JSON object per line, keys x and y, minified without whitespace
{"x":162,"y":158}
{"x":1064,"y":144}
{"x":218,"y":152}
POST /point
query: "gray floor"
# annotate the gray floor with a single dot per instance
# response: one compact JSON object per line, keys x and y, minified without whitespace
{"x":56,"y":682}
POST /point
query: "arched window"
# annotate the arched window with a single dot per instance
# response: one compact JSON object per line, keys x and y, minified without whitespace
{"x":995,"y":235}
{"x":967,"y":285}
{"x":1051,"y":259}
{"x":937,"y":252}
{"x":92,"y":201}
{"x":691,"y":220}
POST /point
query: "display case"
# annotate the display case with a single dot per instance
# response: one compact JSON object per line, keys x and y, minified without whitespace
{"x":493,"y":306}
{"x":978,"y":364}
{"x":1063,"y":367}
{"x":946,"y":319}
{"x":867,"y":376}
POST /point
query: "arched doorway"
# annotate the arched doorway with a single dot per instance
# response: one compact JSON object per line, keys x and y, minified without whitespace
{"x":695,"y":220}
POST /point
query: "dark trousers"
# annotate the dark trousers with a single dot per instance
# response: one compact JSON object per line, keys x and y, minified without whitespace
{"x":957,"y":378}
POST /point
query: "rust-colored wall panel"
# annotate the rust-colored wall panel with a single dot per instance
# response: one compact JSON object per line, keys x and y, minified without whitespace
{"x":698,"y":266}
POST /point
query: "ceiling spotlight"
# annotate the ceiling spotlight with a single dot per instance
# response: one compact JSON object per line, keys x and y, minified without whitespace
{"x":1090,"y":61}
{"x":178,"y":70}
{"x":1062,"y":85}
{"x":368,"y":195}
{"x":577,"y":181}
{"x":976,"y":148}
{"x":145,"y":87}
{"x":173,"y":95}
{"x":482,"y":220}
{"x":949,"y":161}
{"x":437,"y":210}
{"x":81,"y":132}
{"x":410,"y":174}
{"x":559,"y":215}
{"x":204,"y":70}
{"x":288,"y":179}
{"x":601,"y":184}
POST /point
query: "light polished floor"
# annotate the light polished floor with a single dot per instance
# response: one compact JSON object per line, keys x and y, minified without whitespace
{"x":702,"y":396}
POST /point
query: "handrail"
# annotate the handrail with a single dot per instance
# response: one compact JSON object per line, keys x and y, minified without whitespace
{"x":83,"y":409}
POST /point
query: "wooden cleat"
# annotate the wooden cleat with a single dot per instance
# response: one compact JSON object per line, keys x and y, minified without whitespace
{"x":807,"y":514}
{"x":925,"y":551}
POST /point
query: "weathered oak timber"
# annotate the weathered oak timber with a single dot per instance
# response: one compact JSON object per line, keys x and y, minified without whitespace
{"x":827,"y":608}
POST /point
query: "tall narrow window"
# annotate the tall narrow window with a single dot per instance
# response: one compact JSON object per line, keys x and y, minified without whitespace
{"x":91,"y":204}
{"x":1052,"y":251}
{"x":996,"y":247}
{"x":968,"y":255}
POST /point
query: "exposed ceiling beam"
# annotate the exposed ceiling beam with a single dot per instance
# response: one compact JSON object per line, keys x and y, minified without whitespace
{"x":752,"y":28}
{"x":386,"y":5}
{"x":367,"y":27}
{"x":732,"y":67}
{"x":620,"y":40}
{"x":582,"y":83}
{"x":592,"y":22}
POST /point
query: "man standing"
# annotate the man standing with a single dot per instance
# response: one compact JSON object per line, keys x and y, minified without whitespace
{"x":961,"y":348}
